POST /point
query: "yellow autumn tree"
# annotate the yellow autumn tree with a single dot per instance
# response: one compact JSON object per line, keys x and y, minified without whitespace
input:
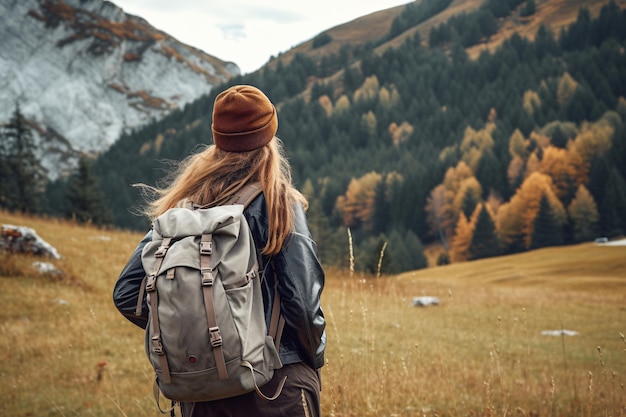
{"x":441,"y":213}
{"x":515,"y":219}
{"x":368,"y":90}
{"x":436,"y":213}
{"x":532,"y":165}
{"x":515,"y":169}
{"x":594,"y":139}
{"x":463,"y":235}
{"x":541,"y":141}
{"x":400,"y":134}
{"x":388,"y":97}
{"x":557,"y":165}
{"x":462,"y":240}
{"x":509,"y":225}
{"x":327,"y":104}
{"x":369,"y":123}
{"x":357,"y":205}
{"x":469,"y":193}
{"x":474,"y":143}
{"x":531,"y":101}
{"x":517,"y":145}
{"x":566,"y":88}
{"x":343,"y":104}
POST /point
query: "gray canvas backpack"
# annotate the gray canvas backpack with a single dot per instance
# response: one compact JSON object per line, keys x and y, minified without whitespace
{"x":206,"y":336}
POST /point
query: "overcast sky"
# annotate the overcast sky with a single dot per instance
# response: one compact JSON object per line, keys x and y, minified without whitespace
{"x":249,"y":32}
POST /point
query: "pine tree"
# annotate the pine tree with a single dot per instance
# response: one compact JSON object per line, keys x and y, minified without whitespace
{"x":613,"y":205}
{"x":22,"y":175}
{"x":583,"y":213}
{"x":546,"y":230}
{"x":529,"y":8}
{"x":484,"y":240}
{"x":84,"y":200}
{"x":380,"y":216}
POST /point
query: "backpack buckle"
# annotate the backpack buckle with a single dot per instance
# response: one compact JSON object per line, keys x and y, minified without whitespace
{"x":206,"y":248}
{"x":157,"y":346}
{"x":216,"y":337}
{"x":150,"y":283}
{"x":163,"y":248}
{"x":160,"y":252}
{"x":207,"y":278}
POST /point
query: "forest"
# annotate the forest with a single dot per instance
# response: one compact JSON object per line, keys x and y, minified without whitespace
{"x":420,"y":146}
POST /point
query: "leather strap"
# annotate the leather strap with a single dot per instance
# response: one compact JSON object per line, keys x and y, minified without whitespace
{"x":246,"y":194}
{"x":206,"y":249}
{"x":142,"y":291}
{"x":157,"y":345}
{"x":277,"y":320}
{"x":279,"y":389}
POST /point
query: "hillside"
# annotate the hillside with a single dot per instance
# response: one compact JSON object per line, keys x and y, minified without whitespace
{"x":554,"y":14}
{"x":67,"y":351}
{"x":423,"y":144}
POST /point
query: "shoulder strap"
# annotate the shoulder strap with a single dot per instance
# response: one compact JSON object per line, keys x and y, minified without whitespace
{"x":245,"y":196}
{"x":277,"y":321}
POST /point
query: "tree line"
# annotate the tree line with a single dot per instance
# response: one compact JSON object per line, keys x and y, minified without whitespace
{"x":517,"y":149}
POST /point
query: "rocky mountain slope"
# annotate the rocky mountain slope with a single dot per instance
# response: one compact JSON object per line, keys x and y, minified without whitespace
{"x":83,"y":72}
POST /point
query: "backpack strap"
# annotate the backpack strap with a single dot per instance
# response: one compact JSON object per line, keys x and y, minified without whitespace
{"x":277,"y":320}
{"x":157,"y":345}
{"x":206,"y":249}
{"x":246,"y":194}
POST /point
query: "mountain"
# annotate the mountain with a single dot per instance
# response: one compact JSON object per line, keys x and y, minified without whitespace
{"x":84,"y":72}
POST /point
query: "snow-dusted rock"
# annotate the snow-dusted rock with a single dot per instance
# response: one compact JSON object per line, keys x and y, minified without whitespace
{"x":22,"y":239}
{"x":84,"y":72}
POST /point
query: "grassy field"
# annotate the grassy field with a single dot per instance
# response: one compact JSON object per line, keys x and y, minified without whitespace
{"x":65,"y":351}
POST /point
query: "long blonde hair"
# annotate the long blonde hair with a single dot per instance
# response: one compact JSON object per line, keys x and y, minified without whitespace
{"x":213,"y":175}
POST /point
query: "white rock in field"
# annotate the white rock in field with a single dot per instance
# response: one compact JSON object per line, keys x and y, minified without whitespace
{"x":23,"y":239}
{"x":425,"y":300}
{"x":45,"y":268}
{"x":559,"y":332}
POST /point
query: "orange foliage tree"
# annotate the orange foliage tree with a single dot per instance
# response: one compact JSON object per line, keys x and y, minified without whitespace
{"x":357,"y":205}
{"x":557,"y":163}
{"x":441,"y":213}
{"x":515,"y":218}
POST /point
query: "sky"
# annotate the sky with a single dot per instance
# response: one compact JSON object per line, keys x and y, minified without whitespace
{"x":249,"y":32}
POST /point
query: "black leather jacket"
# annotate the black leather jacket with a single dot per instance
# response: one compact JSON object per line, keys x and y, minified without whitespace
{"x":300,"y":283}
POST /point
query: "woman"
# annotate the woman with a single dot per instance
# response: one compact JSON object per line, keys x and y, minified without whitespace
{"x":246,"y":150}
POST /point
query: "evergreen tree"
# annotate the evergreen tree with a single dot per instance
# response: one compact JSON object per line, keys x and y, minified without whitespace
{"x":85,"y":202}
{"x":484,"y":240}
{"x":546,"y":230}
{"x":613,"y":205}
{"x":22,"y":175}
{"x":380,"y":217}
{"x":529,"y":8}
{"x":583,"y":213}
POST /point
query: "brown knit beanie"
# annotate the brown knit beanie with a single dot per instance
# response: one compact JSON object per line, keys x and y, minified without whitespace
{"x":243,"y":119}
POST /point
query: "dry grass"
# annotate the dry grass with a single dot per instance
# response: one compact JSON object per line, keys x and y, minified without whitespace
{"x":65,"y":350}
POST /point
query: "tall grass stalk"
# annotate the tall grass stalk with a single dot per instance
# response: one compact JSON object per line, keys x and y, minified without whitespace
{"x":380,"y":260}
{"x":351,"y":247}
